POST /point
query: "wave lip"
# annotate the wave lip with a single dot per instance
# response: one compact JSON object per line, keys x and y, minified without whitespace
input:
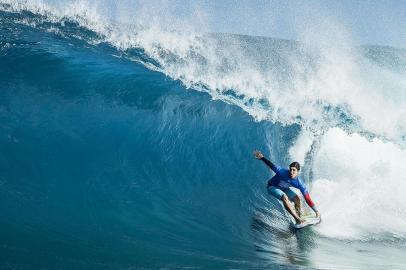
{"x":282,"y":81}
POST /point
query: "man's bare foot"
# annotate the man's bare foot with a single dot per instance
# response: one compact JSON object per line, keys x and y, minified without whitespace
{"x":299,"y":221}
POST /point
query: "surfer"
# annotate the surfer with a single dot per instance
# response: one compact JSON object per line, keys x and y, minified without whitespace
{"x":280,"y":187}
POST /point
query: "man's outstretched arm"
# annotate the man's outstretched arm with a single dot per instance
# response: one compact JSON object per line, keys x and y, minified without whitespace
{"x":311,"y":203}
{"x":260,"y":156}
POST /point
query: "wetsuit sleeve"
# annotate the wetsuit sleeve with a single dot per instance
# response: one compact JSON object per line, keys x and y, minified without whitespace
{"x":301,"y":186}
{"x":273,"y":167}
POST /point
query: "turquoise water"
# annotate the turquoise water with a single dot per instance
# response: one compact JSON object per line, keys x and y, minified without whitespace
{"x":120,"y":155}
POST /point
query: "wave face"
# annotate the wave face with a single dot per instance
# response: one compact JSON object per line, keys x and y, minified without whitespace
{"x":130,"y":146}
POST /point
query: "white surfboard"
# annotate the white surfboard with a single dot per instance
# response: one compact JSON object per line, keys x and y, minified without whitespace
{"x":307,"y":222}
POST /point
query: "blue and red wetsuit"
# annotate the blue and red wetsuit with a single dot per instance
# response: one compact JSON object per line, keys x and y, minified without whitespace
{"x":282,"y":182}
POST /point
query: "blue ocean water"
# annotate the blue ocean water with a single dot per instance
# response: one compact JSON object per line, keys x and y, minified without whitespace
{"x":136,"y":152}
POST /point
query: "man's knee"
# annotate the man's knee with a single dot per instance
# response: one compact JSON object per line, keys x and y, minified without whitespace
{"x":296,"y":200}
{"x":284,"y":198}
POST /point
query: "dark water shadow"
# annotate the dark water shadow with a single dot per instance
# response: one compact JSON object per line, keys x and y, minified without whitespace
{"x":276,"y":240}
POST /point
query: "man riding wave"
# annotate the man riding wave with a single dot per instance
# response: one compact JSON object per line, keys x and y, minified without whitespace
{"x":280,"y":186}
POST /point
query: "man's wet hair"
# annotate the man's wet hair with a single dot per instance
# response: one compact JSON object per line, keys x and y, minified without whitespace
{"x":295,"y":164}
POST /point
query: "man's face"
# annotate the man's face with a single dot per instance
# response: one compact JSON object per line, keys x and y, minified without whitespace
{"x":293,"y":172}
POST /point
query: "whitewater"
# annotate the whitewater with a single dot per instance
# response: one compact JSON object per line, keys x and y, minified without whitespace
{"x":126,"y":143}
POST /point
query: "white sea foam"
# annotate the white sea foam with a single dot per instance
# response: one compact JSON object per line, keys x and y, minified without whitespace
{"x":359,"y":187}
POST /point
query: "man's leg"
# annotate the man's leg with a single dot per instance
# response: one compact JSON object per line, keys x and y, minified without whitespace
{"x":289,"y":208}
{"x":298,"y":206}
{"x":293,"y":197}
{"x":280,"y":195}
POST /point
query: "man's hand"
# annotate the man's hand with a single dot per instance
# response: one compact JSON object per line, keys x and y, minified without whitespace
{"x":258,"y":154}
{"x":318,"y":214}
